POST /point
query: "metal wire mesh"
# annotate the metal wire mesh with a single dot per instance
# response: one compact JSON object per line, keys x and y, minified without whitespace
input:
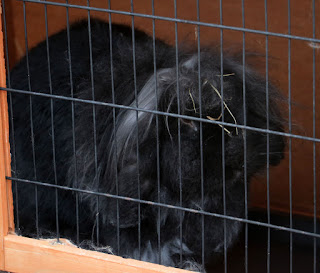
{"x":72,"y":99}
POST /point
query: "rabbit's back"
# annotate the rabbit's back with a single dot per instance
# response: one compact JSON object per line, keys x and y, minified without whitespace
{"x":50,"y":123}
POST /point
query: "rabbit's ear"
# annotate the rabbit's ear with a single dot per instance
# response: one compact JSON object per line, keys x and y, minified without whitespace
{"x":133,"y":127}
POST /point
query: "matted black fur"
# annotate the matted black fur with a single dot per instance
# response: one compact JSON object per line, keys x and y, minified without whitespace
{"x":117,"y":150}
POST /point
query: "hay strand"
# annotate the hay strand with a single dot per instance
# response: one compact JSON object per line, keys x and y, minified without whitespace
{"x":194,"y":105}
{"x":224,"y":103}
{"x":226,"y":75}
{"x":224,"y":128}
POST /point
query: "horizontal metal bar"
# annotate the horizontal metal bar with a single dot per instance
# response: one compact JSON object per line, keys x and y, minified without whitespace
{"x":161,"y":113}
{"x":311,"y":234}
{"x":163,"y":18}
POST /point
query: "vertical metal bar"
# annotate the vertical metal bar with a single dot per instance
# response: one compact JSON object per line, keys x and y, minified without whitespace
{"x":114,"y":125}
{"x":26,"y":44}
{"x":31,"y":123}
{"x":137,"y":115}
{"x":201,"y":138}
{"x":52,"y":123}
{"x":268,"y":136}
{"x":77,"y":217}
{"x":97,"y":221}
{"x":73,"y":121}
{"x":93,"y":118}
{"x":314,"y":144}
{"x":290,"y":128}
{"x":223,"y":146}
{"x":157,"y":132}
{"x":179,"y":125}
{"x":6,"y":47}
{"x":244,"y":134}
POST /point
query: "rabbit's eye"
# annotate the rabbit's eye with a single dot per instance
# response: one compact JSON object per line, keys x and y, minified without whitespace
{"x":190,"y":123}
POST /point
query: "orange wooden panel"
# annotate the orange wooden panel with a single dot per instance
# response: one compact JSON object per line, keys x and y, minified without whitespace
{"x":3,"y":187}
{"x":6,"y":204}
{"x":30,"y":255}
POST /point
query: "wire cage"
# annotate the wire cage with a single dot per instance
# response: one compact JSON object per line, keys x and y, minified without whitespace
{"x":258,"y":47}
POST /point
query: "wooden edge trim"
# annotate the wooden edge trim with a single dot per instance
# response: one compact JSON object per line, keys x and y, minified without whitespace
{"x":6,"y":201}
{"x":31,"y":255}
{"x":4,"y":228}
{"x":5,"y":132}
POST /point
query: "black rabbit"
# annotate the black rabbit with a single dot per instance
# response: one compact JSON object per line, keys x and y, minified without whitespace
{"x":140,"y":155}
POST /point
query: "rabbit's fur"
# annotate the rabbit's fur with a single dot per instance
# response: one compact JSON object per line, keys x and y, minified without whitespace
{"x":117,"y":169}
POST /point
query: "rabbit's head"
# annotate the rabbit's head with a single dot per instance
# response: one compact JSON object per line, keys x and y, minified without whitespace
{"x":215,"y":96}
{"x":173,"y":143}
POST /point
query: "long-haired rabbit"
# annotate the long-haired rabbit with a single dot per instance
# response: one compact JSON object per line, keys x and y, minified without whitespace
{"x":109,"y":148}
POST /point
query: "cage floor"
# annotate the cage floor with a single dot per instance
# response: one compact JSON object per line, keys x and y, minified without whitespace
{"x":302,"y":254}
